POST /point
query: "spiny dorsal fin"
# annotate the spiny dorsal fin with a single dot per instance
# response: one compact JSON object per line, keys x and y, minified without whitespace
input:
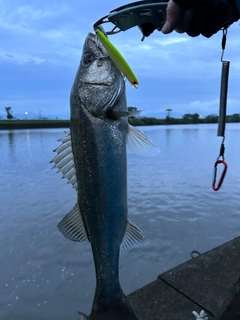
{"x":64,"y":162}
{"x":133,"y":237}
{"x":139,"y":143}
{"x":72,"y":227}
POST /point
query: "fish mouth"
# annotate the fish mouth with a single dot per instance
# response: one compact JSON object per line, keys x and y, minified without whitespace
{"x":105,"y":84}
{"x":112,"y":81}
{"x":96,"y":46}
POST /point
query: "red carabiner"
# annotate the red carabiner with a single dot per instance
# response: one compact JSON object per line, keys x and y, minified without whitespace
{"x":216,"y":188}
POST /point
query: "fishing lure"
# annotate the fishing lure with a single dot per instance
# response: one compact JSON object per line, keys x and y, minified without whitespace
{"x":118,"y":59}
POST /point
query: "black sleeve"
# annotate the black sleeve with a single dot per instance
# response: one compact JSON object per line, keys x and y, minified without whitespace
{"x":210,"y":15}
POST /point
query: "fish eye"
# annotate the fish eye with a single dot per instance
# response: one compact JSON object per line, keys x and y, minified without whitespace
{"x":88,"y":58}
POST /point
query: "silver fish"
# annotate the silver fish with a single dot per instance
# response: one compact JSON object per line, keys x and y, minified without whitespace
{"x":93,"y":158}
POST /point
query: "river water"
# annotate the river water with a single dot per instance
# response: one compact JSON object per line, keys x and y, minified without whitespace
{"x":44,"y":276}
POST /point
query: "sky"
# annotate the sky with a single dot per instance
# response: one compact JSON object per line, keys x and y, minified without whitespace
{"x":41,"y":46}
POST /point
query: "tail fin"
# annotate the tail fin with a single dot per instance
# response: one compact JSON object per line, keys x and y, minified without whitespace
{"x":117,"y":309}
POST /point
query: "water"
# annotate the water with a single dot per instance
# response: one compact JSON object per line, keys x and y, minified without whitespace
{"x":45,"y":276}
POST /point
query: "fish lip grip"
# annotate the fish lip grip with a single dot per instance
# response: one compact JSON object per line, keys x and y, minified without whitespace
{"x":134,"y":14}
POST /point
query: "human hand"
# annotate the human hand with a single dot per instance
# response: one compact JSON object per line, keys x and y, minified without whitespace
{"x":178,"y":18}
{"x":197,"y":17}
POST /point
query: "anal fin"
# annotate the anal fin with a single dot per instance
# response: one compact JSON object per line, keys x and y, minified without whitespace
{"x":133,"y":237}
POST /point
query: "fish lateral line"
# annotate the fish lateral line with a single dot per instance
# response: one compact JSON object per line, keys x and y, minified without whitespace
{"x":117,"y":58}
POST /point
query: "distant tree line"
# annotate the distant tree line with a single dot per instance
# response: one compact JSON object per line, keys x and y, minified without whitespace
{"x":9,"y":112}
{"x":187,"y":118}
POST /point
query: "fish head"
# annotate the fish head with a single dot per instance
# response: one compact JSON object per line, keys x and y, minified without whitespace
{"x":98,"y":83}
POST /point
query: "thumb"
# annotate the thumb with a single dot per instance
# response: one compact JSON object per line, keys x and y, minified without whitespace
{"x":174,"y":13}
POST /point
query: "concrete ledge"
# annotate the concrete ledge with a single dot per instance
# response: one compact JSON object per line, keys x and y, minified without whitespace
{"x":210,"y":282}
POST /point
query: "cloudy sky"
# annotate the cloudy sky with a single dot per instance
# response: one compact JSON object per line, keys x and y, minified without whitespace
{"x":41,"y":45}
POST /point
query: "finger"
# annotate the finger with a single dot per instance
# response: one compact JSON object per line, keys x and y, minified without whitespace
{"x":185,"y":21}
{"x":174,"y":13}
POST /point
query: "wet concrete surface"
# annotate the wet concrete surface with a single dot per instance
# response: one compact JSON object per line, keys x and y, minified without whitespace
{"x":209,"y":282}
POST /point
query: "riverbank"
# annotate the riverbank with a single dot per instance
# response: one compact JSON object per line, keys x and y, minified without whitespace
{"x":141,"y":121}
{"x":209,"y":282}
{"x":33,"y":124}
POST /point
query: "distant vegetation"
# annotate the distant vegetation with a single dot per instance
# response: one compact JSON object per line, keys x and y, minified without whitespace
{"x":9,"y":113}
{"x":33,"y":124}
{"x":189,"y":118}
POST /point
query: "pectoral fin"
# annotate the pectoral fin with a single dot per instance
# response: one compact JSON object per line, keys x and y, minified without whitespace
{"x":139,"y":143}
{"x":134,"y":113}
{"x":113,"y":114}
{"x":72,"y":227}
{"x":133,"y":237}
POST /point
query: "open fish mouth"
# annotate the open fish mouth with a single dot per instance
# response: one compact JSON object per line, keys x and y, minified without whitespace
{"x":105,"y":84}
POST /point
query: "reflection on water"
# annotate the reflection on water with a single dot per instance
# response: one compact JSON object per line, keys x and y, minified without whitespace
{"x":45,"y":276}
{"x":168,"y":132}
{"x":11,"y":138}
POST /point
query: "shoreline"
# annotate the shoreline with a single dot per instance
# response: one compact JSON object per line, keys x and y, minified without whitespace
{"x":33,"y":124}
{"x":51,"y":124}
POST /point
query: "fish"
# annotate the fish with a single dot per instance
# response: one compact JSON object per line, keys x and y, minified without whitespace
{"x":93,"y":157}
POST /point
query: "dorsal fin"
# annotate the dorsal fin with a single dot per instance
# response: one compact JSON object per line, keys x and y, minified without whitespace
{"x":64,"y":161}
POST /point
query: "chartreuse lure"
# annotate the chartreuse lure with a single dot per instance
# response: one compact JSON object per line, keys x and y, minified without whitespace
{"x":118,"y":59}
